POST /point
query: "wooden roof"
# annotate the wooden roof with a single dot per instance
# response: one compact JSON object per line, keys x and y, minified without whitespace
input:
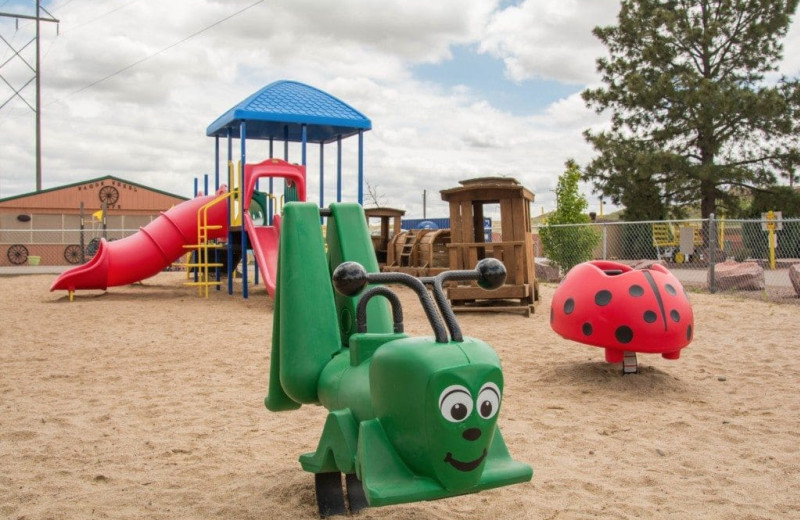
{"x":487,"y":189}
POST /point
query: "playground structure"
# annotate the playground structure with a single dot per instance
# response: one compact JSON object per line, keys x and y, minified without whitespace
{"x":287,"y":111}
{"x":225,"y":223}
{"x":390,"y":220}
{"x":409,"y":419}
{"x":468,"y":244}
{"x":623,"y":310}
{"x":246,"y":216}
{"x":419,"y":252}
{"x":195,"y":225}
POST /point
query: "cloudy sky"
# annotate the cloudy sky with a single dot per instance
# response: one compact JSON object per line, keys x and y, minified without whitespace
{"x":455,"y":89}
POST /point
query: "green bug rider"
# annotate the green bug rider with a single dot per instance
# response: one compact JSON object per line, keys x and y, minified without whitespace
{"x":411,"y":418}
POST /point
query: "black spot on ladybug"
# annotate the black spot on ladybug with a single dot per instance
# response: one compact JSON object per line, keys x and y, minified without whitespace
{"x":689,"y":333}
{"x":587,"y":329}
{"x":624,"y":334}
{"x":670,"y":289}
{"x":650,"y":316}
{"x":602,"y":297}
{"x":675,"y":315}
{"x":569,"y":306}
{"x":636,"y":291}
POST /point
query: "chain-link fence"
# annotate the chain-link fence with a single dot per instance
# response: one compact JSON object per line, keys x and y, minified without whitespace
{"x":754,"y":256}
{"x":53,"y":246}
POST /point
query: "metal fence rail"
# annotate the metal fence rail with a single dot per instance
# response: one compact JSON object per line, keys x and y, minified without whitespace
{"x":711,"y":254}
{"x":53,"y":246}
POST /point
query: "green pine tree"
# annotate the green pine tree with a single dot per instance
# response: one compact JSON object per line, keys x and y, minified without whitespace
{"x":695,"y":106}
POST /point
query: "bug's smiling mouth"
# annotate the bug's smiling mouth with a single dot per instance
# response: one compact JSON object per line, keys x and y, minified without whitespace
{"x":464,"y":466}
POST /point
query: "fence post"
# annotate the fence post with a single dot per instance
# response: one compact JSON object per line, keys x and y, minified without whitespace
{"x":605,"y":243}
{"x":83,"y":240}
{"x":712,"y":253}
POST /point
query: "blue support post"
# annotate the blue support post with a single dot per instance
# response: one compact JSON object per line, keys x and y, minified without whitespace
{"x":321,"y":174}
{"x":303,"y":140}
{"x":361,"y":167}
{"x":339,"y":168}
{"x":242,"y":142}
{"x":230,"y":233}
{"x":216,"y":163}
{"x":217,"y":273}
{"x":205,"y":184}
{"x":195,"y":254}
{"x":271,"y":187}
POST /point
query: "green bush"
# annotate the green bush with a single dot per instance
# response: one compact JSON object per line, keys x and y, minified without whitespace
{"x":568,"y":245}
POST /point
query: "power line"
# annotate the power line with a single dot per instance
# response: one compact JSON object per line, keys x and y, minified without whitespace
{"x":123,"y":6}
{"x":165,"y":49}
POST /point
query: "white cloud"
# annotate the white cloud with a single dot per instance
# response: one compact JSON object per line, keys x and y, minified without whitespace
{"x":549,"y":39}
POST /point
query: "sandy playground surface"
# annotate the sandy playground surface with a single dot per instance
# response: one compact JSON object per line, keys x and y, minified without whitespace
{"x":147,"y":402}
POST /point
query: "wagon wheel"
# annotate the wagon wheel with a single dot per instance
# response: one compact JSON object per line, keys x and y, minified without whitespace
{"x":17,"y":254}
{"x":72,"y":254}
{"x":91,"y":248}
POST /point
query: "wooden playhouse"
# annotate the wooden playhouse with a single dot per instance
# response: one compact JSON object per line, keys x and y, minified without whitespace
{"x":468,"y":244}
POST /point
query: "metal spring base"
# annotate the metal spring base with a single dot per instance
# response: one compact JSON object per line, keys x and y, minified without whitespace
{"x":629,"y":363}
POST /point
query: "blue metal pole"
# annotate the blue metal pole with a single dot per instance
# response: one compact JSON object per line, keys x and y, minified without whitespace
{"x":303,"y":141}
{"x":205,"y":184}
{"x":230,"y":202}
{"x":361,"y":167}
{"x":196,"y":253}
{"x":285,"y":152}
{"x":321,"y":174}
{"x":216,"y":189}
{"x":216,"y":163}
{"x":339,"y":168}
{"x":242,"y":142}
{"x":271,"y":187}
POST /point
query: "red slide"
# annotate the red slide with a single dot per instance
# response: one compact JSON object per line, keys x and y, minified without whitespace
{"x":147,"y":252}
{"x":264,"y":239}
{"x":264,"y":243}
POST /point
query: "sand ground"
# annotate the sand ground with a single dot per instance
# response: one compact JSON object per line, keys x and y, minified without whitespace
{"x":147,"y":402}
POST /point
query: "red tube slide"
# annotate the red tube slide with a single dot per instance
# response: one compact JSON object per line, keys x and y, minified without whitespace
{"x":147,"y":252}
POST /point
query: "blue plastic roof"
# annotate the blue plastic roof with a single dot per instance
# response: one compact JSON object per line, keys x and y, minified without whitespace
{"x":291,"y":104}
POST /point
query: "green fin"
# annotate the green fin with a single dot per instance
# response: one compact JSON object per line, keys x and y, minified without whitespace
{"x":305,"y":327}
{"x":349,"y":240}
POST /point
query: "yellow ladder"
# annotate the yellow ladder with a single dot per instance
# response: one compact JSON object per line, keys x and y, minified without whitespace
{"x":204,"y":247}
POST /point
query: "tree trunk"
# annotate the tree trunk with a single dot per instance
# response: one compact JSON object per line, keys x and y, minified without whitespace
{"x":708,"y":205}
{"x":708,"y":200}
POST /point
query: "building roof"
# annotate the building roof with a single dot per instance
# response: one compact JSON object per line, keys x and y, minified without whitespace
{"x":284,"y":105}
{"x":88,"y":181}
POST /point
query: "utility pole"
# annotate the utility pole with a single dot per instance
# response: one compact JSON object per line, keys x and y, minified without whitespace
{"x":37,"y":77}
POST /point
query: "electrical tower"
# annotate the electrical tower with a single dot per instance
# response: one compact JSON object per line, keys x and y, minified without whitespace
{"x":17,"y":53}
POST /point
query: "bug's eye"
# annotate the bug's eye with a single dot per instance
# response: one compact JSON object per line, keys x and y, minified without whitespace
{"x":455,"y":403}
{"x":488,"y":400}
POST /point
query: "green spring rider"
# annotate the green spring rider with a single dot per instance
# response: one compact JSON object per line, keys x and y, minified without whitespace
{"x":410,"y":418}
